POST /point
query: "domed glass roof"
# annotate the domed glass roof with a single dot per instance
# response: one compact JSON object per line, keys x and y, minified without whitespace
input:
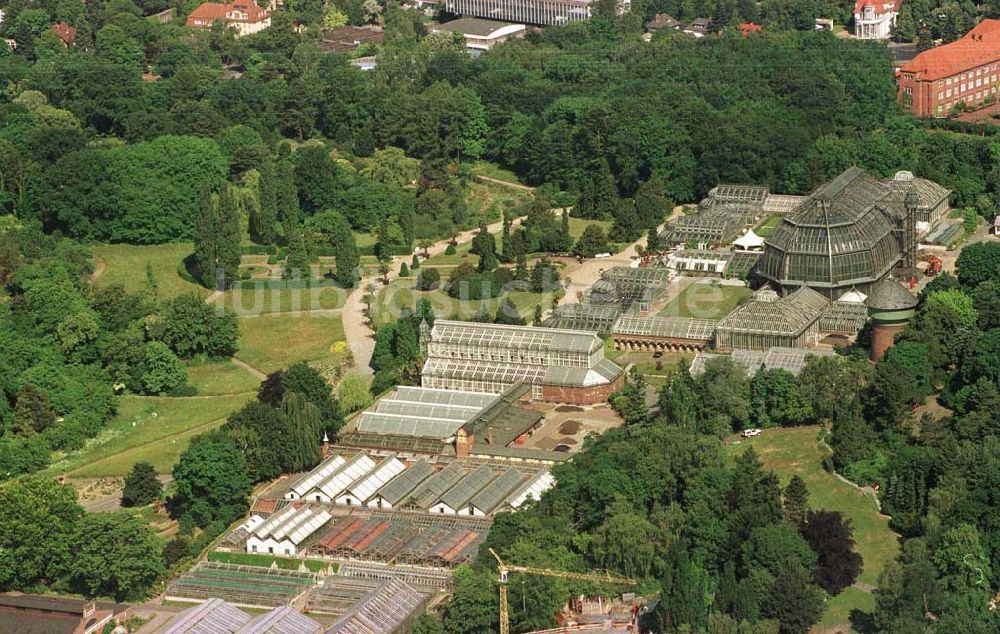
{"x":839,"y":236}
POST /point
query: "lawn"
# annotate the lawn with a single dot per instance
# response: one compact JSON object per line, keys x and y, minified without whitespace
{"x":218,"y":378}
{"x":796,"y":451}
{"x":461,"y":255}
{"x":705,"y":300}
{"x":263,"y":300}
{"x":126,"y":265}
{"x":767,"y":227}
{"x":273,"y":342}
{"x":578,"y":225}
{"x":400,"y":295}
{"x":153,"y":428}
{"x":493,"y":170}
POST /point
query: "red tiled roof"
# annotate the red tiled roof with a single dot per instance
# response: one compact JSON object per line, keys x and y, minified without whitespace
{"x":65,"y":32}
{"x":979,"y":46}
{"x":209,"y":12}
{"x":887,"y":6}
{"x":749,"y":27}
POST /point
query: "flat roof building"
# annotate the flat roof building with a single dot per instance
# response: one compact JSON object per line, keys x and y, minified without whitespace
{"x":564,"y":366}
{"x":482,"y":35}
{"x":541,"y":12}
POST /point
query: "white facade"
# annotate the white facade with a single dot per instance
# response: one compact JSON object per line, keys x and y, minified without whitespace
{"x":524,"y":11}
{"x":364,"y":488}
{"x":282,"y":533}
{"x":533,"y":489}
{"x":443,"y":509}
{"x":874,"y":19}
{"x":333,"y":486}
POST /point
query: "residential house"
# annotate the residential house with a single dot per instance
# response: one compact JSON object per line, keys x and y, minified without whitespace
{"x":243,"y":15}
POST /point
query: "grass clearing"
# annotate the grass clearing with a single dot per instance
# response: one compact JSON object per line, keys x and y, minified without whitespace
{"x":578,"y":225}
{"x":273,"y":342}
{"x":796,"y":451}
{"x":219,"y":378}
{"x":153,"y":428}
{"x":767,"y":227}
{"x":705,"y":300}
{"x":126,"y":265}
{"x":400,"y":295}
{"x":262,"y":300}
{"x":492,"y":170}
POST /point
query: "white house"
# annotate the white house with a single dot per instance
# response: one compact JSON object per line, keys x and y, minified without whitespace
{"x":244,"y":16}
{"x":875,"y":19}
{"x":365,"y":487}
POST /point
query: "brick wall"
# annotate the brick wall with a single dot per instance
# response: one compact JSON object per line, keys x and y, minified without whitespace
{"x":580,"y":395}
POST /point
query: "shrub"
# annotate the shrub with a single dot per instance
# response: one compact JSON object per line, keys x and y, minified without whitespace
{"x":450,"y":250}
{"x":428,"y":280}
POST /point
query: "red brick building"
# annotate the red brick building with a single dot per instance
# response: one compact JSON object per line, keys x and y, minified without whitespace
{"x":965,"y":71}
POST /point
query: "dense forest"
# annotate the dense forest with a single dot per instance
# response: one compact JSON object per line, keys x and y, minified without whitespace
{"x":92,"y":150}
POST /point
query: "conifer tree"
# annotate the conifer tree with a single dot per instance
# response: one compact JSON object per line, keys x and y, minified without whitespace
{"x":537,"y":321}
{"x":565,"y":237}
{"x":141,"y":485}
{"x":506,"y":242}
{"x":521,"y":268}
{"x":796,"y":502}
{"x":345,"y":253}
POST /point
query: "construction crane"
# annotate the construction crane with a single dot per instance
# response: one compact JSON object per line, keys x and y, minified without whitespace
{"x":504,"y":570}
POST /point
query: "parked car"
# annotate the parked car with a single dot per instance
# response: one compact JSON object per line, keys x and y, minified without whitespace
{"x":750,"y":433}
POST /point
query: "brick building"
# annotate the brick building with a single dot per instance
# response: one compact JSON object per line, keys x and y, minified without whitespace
{"x":965,"y":71}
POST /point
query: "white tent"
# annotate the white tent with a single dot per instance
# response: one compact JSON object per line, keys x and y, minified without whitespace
{"x":749,"y":241}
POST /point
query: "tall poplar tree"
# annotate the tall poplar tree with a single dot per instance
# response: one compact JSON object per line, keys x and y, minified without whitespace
{"x":262,"y":223}
{"x":217,"y":237}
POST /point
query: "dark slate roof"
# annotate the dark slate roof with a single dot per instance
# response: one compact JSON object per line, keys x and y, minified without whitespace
{"x":889,"y":294}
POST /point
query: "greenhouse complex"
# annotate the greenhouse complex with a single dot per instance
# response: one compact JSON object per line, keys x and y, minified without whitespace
{"x":410,"y":487}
